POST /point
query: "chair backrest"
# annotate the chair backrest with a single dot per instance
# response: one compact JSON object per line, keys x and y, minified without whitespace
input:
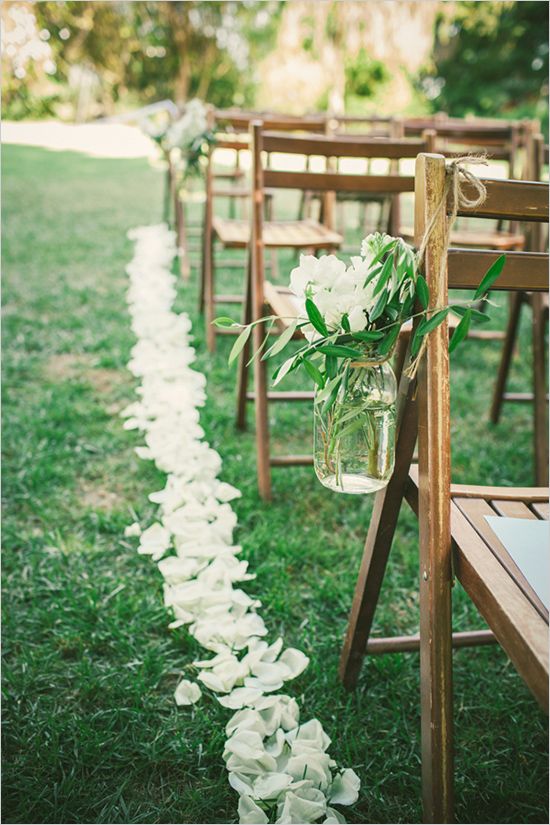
{"x":501,"y":139}
{"x":235,"y":120}
{"x":459,"y":269}
{"x":335,"y":148}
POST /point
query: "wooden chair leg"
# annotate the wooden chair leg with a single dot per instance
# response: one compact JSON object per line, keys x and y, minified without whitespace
{"x":167,"y":194}
{"x":242,"y":379}
{"x":387,"y":504}
{"x":181,"y":237}
{"x":540,"y":407}
{"x":506,"y":358}
{"x":209,"y":294}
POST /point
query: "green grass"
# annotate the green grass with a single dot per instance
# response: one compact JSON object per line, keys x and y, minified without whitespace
{"x":91,"y":733}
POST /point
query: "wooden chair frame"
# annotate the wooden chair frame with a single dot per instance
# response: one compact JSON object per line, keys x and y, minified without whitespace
{"x":261,"y":296}
{"x":538,"y":158}
{"x":447,"y":540}
{"x":238,"y":141}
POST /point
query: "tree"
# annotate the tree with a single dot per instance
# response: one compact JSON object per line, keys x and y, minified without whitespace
{"x":490,"y":59}
{"x":153,"y":50}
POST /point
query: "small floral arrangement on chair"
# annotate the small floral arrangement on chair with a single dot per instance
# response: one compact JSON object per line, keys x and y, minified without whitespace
{"x":188,"y":136}
{"x":351,"y":317}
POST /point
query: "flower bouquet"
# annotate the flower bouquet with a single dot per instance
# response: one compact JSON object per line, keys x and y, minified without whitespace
{"x":351,"y":317}
{"x":188,"y":137}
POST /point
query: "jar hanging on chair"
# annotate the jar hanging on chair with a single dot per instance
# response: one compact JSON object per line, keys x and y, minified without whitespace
{"x":354,"y":437}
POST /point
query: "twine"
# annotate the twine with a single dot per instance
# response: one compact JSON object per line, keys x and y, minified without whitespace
{"x":456,"y":176}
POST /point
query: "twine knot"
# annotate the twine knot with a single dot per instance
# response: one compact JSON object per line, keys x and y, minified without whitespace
{"x":456,"y":176}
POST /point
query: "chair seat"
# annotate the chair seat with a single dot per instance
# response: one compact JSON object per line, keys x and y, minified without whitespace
{"x":492,"y":578}
{"x":282,"y":301}
{"x":504,"y":241}
{"x":306,"y":234}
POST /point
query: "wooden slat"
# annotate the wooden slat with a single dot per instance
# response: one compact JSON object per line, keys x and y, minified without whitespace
{"x":235,"y":234}
{"x":351,"y":146}
{"x":527,"y":271}
{"x":285,"y":395}
{"x":283,"y":304}
{"x":527,"y":494}
{"x":291,"y":460}
{"x":480,"y":239}
{"x":332,"y":182}
{"x":240,"y":120}
{"x":519,"y":628}
{"x":509,"y":200}
{"x":475,"y":511}
{"x":406,"y":644}
{"x":513,"y":509}
{"x":542,"y":509}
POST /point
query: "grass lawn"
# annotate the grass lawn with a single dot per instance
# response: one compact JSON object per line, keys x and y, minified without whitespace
{"x":91,"y":733}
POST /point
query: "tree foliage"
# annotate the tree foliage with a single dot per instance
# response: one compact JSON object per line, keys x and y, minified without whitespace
{"x":160,"y":49}
{"x":490,"y":59}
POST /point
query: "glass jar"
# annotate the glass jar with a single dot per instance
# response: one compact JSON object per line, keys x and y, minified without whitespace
{"x":354,"y":440}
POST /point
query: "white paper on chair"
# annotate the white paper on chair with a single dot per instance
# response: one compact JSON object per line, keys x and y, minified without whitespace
{"x":528,"y":543}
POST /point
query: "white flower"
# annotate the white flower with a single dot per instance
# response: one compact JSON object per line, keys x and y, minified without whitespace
{"x":132,"y":530}
{"x":357,"y":319}
{"x":345,"y":788}
{"x":154,"y":541}
{"x":304,"y":274}
{"x":187,"y":693}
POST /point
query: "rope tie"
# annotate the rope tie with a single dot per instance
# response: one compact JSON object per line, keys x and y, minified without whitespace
{"x":457,"y":176}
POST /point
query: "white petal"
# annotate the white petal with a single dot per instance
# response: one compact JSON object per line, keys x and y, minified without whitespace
{"x":250,"y":813}
{"x":187,"y":693}
{"x":345,"y":788}
{"x":270,"y":785}
{"x":295,"y":660}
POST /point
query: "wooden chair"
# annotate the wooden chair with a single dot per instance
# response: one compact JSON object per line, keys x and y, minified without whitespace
{"x":235,"y":233}
{"x":502,"y":141}
{"x":538,"y":157}
{"x":453,"y":533}
{"x":264,"y":297}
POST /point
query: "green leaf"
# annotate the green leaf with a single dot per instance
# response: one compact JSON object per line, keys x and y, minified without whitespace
{"x":315,"y":317}
{"x":280,"y":373}
{"x":379,"y":307}
{"x":224,"y":321}
{"x":332,"y":396}
{"x":429,"y":324}
{"x":490,"y":276}
{"x":368,"y":335}
{"x":239,"y":344}
{"x":345,"y":323}
{"x":384,"y":275}
{"x":339,"y":351}
{"x":281,"y":341}
{"x":422,"y":291}
{"x":461,"y":331}
{"x":389,"y":340}
{"x":331,"y":366}
{"x":314,"y":373}
{"x":482,"y":317}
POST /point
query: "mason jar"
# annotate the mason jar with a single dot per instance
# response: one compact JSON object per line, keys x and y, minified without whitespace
{"x":354,"y":440}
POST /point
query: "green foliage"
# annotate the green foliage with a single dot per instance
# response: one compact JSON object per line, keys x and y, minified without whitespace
{"x":154,"y":50}
{"x":364,"y":75}
{"x":491,"y":59}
